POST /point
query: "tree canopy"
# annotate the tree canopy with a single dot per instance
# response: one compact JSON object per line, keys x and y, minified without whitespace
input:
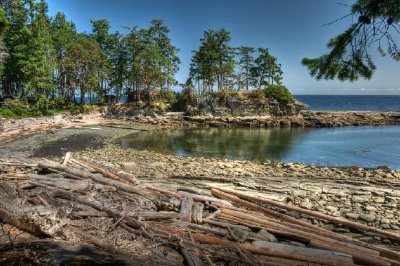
{"x":217,"y":64}
{"x":377,"y":23}
{"x":45,"y":57}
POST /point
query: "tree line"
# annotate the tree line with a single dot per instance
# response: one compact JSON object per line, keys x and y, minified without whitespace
{"x":218,"y":65}
{"x":45,"y":57}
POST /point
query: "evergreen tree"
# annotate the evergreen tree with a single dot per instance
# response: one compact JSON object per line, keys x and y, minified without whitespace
{"x":214,"y":61}
{"x":376,"y":22}
{"x":64,"y":34}
{"x":266,"y":70}
{"x":100,"y":33}
{"x":83,"y":62}
{"x":119,"y":62}
{"x":3,"y":48}
{"x":168,"y":61}
{"x":40,"y":60}
{"x":225,"y":52}
{"x":246,"y":64}
{"x":16,"y":38}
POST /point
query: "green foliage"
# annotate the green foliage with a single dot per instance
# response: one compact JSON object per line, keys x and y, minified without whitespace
{"x":246,"y":64}
{"x":16,"y":109}
{"x":266,"y":70}
{"x":279,"y":93}
{"x":256,"y":94}
{"x":348,"y":57}
{"x":167,"y":96}
{"x":214,"y":61}
{"x":84,"y":65}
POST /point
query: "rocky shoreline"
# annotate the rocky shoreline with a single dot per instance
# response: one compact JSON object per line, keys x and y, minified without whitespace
{"x":309,"y":119}
{"x":369,"y":196}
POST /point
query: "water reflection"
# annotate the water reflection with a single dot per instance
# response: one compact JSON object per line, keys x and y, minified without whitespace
{"x":248,"y":144}
{"x":359,"y":146}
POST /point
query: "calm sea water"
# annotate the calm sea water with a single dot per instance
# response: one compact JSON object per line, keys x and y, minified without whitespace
{"x":378,"y":103}
{"x":349,"y":146}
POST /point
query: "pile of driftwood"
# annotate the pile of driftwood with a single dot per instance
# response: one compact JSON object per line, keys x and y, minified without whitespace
{"x":85,"y":211}
{"x":12,"y":134}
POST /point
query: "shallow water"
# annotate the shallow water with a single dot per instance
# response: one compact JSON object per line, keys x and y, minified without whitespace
{"x":349,"y":146}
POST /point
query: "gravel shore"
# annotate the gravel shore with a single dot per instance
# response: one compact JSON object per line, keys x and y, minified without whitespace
{"x":370,"y":196}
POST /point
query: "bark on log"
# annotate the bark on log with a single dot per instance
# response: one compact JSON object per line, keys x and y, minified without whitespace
{"x":314,"y":229}
{"x":186,"y":209}
{"x":191,"y":257}
{"x":96,"y":205}
{"x":98,"y":178}
{"x":216,"y":241}
{"x":156,"y":216}
{"x":36,"y":220}
{"x":197,"y":213}
{"x":306,"y":251}
{"x":205,"y":198}
{"x":336,"y":220}
{"x":369,"y":257}
{"x":120,"y":175}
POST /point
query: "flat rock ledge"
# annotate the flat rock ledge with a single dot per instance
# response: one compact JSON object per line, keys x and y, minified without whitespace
{"x":308,"y":119}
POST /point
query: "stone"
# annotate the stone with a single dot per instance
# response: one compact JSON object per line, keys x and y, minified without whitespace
{"x":370,"y":208}
{"x":351,"y":215}
{"x":130,"y":167}
{"x":264,"y":235}
{"x":360,"y":199}
{"x":379,"y":200}
{"x":331,"y":208}
{"x":385,"y":221}
{"x":306,"y":204}
{"x":367,"y":218}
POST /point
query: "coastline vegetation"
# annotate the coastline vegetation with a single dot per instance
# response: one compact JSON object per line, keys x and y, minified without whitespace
{"x":47,"y":66}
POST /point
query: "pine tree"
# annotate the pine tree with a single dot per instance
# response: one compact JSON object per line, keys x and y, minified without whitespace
{"x":83,"y":63}
{"x":40,"y":60}
{"x":16,"y":38}
{"x":63,"y":34}
{"x":266,"y":70}
{"x":376,"y":23}
{"x":246,"y":64}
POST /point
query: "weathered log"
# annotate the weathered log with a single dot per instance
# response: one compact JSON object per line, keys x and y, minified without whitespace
{"x":215,"y":231}
{"x":156,"y":216}
{"x":186,"y":209}
{"x":66,"y":158}
{"x":120,"y":175}
{"x":191,"y":257}
{"x":306,"y":251}
{"x":96,"y":205}
{"x":336,"y":220}
{"x":205,"y":198}
{"x":217,"y":241}
{"x":98,"y":178}
{"x":36,"y":220}
{"x":197,"y":213}
{"x":308,"y":227}
{"x":367,"y":256}
{"x":50,"y":252}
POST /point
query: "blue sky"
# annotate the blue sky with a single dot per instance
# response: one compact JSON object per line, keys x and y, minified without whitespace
{"x":291,"y":29}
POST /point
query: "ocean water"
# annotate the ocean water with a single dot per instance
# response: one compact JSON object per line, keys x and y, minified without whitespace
{"x":376,"y":103}
{"x":347,"y":146}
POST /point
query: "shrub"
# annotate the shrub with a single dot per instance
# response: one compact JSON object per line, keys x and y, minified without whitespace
{"x":280,"y":93}
{"x":256,"y":94}
{"x":167,"y":96}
